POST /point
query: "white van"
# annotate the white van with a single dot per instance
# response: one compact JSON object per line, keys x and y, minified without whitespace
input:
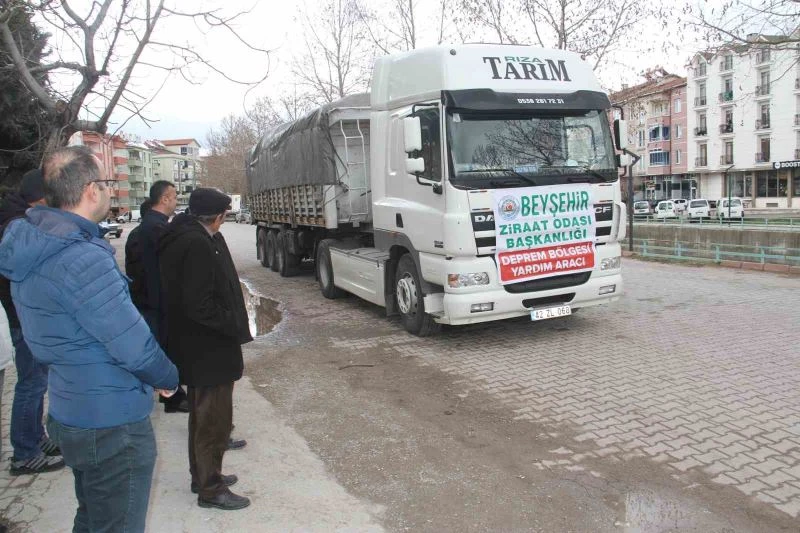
{"x":698,"y":208}
{"x":680,"y":204}
{"x":641,"y":208}
{"x":666,"y":209}
{"x":735,"y":210}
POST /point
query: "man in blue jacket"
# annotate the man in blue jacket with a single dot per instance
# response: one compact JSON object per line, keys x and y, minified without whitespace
{"x":78,"y":318}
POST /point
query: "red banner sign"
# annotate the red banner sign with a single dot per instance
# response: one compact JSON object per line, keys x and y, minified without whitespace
{"x":521,"y":265}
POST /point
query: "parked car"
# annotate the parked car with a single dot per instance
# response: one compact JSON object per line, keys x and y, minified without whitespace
{"x":642,"y":208}
{"x":680,"y":204}
{"x":243,"y":216}
{"x":734,"y":210}
{"x":110,"y":229}
{"x":698,"y":209}
{"x":666,"y":209}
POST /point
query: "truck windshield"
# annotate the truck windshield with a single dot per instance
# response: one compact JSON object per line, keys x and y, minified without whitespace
{"x":491,"y":150}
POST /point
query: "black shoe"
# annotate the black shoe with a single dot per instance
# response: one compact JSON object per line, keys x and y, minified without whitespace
{"x":226,"y":500}
{"x":182,"y":407}
{"x":228,"y":480}
{"x":236,"y":444}
{"x":36,"y":465}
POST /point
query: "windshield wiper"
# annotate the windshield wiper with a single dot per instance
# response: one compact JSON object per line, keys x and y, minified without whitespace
{"x":512,"y":173}
{"x":589,"y":171}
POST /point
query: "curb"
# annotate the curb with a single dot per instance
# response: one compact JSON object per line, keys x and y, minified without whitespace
{"x":743,"y":265}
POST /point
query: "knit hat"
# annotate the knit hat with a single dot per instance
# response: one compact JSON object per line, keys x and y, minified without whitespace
{"x":31,"y":188}
{"x":206,"y":201}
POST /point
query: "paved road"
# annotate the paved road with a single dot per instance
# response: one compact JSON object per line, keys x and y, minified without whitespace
{"x":694,"y":374}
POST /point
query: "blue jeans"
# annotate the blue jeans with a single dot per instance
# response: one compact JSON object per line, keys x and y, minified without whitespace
{"x":113,"y":469}
{"x":27,"y":409}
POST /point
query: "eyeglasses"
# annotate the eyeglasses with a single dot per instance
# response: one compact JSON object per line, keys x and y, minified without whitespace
{"x":112,"y":184}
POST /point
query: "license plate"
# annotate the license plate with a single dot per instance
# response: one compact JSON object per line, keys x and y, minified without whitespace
{"x":551,"y":312}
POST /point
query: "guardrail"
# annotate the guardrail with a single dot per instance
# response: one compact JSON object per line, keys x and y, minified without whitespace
{"x":716,"y":253}
{"x":791,"y":223}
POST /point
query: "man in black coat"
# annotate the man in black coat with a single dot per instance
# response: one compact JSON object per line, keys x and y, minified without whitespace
{"x":163,"y":201}
{"x":207,"y":326}
{"x":134,"y":265}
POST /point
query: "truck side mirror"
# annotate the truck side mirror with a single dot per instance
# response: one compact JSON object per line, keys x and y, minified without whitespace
{"x":412,"y":134}
{"x":620,"y":134}
{"x":415,"y":166}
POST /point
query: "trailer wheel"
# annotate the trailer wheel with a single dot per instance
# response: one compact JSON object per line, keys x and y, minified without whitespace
{"x":271,"y":250}
{"x":286,"y":262}
{"x":410,"y":302}
{"x":261,"y":247}
{"x":324,"y":268}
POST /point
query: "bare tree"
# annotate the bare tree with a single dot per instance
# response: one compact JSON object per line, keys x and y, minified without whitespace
{"x":776,"y":22}
{"x":100,"y":47}
{"x":338,"y":52}
{"x":592,"y":28}
{"x":392,"y":25}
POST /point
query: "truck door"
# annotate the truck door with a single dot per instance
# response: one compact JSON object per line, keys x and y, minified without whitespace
{"x":416,"y":205}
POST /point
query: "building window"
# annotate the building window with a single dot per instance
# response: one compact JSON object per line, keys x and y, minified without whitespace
{"x":641,"y":138}
{"x":796,"y":182}
{"x":677,"y":157}
{"x":770,"y":185}
{"x":762,"y":156}
{"x":702,"y":159}
{"x":659,"y":158}
{"x":678,"y":131}
{"x":677,"y":106}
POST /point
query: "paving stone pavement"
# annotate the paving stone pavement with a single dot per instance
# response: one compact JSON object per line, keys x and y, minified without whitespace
{"x":697,"y":369}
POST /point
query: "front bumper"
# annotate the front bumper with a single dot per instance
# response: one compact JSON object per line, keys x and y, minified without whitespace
{"x":456,"y":303}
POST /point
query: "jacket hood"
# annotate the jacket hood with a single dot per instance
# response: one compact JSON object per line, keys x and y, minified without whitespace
{"x":28,"y":242}
{"x":183,"y":224}
{"x":14,"y":206}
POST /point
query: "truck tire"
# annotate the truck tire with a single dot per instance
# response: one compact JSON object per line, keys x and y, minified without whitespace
{"x":410,"y":302}
{"x":324,"y":268}
{"x":286,"y":262}
{"x":271,"y":250}
{"x":261,"y":247}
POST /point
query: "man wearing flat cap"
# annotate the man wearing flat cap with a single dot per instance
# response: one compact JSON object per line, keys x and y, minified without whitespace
{"x":207,"y":326}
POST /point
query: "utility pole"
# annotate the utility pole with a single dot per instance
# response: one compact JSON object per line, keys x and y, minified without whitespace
{"x":728,"y":184}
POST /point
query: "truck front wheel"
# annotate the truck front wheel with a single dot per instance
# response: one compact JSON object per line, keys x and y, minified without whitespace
{"x":410,"y":300}
{"x":324,"y":268}
{"x":286,"y":262}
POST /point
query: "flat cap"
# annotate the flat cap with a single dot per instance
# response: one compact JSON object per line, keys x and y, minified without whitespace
{"x":31,"y":188}
{"x":206,"y":201}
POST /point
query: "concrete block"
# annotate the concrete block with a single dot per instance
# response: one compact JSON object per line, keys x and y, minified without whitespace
{"x":747,"y":265}
{"x":730,"y":264}
{"x":782,"y":269}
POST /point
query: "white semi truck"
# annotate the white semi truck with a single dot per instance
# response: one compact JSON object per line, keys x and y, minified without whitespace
{"x":473,"y":183}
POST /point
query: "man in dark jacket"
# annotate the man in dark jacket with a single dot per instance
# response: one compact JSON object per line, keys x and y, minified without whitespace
{"x":207,"y":326}
{"x":163,"y":201}
{"x":78,"y":318}
{"x":34,"y":452}
{"x":134,"y":266}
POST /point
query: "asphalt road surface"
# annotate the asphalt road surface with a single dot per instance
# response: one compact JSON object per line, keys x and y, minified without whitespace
{"x":675,"y":409}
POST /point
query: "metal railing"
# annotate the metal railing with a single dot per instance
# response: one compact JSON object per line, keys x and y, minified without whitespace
{"x":726,"y":159}
{"x":700,"y":162}
{"x":716,"y":253}
{"x":727,"y":64}
{"x":762,"y":90}
{"x":726,"y":96}
{"x":797,"y":119}
{"x":762,"y":123}
{"x":762,"y":157}
{"x":700,"y":101}
{"x":701,"y":131}
{"x":797,"y":153}
{"x":726,"y":128}
{"x":748,"y":222}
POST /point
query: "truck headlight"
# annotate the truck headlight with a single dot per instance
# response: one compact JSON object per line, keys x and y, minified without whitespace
{"x":467,"y":280}
{"x":610,"y":263}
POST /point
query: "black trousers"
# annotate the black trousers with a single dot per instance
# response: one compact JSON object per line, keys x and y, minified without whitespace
{"x":210,"y":424}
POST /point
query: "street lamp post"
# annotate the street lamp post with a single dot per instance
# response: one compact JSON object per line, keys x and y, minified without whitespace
{"x":728,"y":183}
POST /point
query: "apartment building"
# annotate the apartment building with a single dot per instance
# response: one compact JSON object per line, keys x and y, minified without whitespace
{"x":140,"y":172}
{"x":656,"y":113}
{"x":113,"y":153}
{"x":178,"y":161}
{"x":745,"y":123}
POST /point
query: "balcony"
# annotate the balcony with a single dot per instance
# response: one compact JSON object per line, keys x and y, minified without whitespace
{"x":700,"y":162}
{"x":701,"y":131}
{"x":726,"y":96}
{"x":762,"y":57}
{"x":762,"y":157}
{"x":762,"y":123}
{"x":797,"y":119}
{"x":700,"y":101}
{"x":762,"y":90}
{"x":726,"y":159}
{"x":134,"y":162}
{"x":726,"y":128}
{"x":726,"y":65}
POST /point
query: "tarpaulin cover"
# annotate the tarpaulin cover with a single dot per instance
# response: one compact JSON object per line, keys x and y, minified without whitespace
{"x":299,"y":152}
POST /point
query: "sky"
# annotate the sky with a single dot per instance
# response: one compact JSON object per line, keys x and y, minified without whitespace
{"x":181,"y":109}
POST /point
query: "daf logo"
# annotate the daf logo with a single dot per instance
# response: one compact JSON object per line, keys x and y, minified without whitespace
{"x":483,"y":218}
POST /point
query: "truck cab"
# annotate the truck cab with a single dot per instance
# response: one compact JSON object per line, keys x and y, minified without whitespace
{"x":492,"y":121}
